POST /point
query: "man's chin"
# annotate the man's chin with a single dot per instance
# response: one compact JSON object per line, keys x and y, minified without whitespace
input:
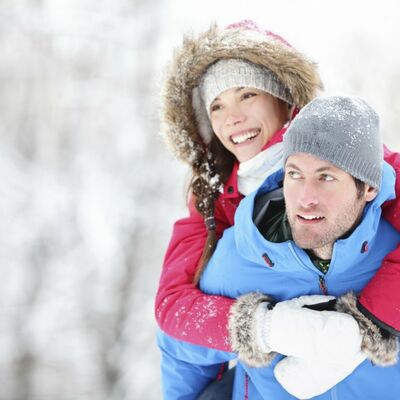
{"x":306,"y":242}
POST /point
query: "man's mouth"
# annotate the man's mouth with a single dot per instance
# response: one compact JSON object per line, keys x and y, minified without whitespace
{"x":245,"y":137}
{"x":310,"y":218}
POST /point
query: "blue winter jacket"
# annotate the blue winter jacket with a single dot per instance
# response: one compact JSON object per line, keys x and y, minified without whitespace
{"x":245,"y":261}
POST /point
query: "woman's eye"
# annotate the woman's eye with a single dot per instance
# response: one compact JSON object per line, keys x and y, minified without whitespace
{"x":215,"y":107}
{"x":248,"y":95}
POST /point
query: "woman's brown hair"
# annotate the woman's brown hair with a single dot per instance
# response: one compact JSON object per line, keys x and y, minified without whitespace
{"x":205,"y":187}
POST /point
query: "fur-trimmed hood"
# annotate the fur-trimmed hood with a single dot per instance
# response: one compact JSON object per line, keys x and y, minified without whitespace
{"x":242,"y":40}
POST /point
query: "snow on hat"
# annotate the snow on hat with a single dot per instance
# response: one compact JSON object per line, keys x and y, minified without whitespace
{"x":342,"y":130}
{"x":229,"y":73}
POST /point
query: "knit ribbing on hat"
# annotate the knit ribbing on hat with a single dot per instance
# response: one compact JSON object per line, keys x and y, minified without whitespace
{"x":229,"y":73}
{"x":342,"y":130}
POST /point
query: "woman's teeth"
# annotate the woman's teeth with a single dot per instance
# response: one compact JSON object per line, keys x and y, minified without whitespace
{"x":245,"y":136}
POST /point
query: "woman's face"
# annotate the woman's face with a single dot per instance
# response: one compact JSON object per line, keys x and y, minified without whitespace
{"x":244,"y":119}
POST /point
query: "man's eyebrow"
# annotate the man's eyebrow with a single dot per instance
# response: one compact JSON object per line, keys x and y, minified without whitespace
{"x":321,"y":169}
{"x":291,"y":165}
{"x":326,"y":168}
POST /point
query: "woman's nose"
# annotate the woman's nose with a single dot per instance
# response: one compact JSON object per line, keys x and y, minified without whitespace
{"x":235,"y":116}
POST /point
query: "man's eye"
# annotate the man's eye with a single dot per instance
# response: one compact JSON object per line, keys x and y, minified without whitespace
{"x":294,"y":174}
{"x":326,"y":177}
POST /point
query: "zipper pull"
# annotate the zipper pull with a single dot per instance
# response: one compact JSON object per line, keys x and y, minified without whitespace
{"x":322,"y":285}
{"x":267,"y":260}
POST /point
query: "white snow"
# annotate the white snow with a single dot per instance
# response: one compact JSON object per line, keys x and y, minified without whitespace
{"x":88,"y":192}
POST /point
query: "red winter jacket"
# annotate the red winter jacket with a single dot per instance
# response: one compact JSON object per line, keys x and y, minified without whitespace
{"x":186,"y":313}
{"x":380,"y":299}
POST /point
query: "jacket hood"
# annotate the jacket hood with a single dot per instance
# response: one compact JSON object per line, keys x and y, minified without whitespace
{"x":250,"y":242}
{"x":242,"y":40}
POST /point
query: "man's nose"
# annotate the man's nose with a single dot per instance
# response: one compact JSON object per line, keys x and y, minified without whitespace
{"x":308,"y":196}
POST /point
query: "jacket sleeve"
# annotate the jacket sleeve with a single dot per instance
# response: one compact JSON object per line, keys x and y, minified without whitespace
{"x":182,"y":310}
{"x":380,"y":299}
{"x":187,"y":369}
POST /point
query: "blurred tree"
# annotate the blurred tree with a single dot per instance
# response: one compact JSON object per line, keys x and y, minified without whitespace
{"x":84,"y":171}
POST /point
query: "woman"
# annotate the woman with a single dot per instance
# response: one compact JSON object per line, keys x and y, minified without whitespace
{"x":226,"y":165}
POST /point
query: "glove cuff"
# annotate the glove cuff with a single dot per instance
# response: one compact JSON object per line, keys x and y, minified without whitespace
{"x":243,"y":326}
{"x":381,"y":350}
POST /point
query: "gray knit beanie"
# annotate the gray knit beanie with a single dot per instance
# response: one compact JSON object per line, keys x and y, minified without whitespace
{"x":233,"y":72}
{"x":342,"y":130}
{"x":226,"y":74}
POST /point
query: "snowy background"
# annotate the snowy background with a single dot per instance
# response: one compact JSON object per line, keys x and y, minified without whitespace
{"x":88,"y":192}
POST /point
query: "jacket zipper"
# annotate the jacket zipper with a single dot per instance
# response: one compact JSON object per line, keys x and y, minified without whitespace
{"x":221,"y":372}
{"x":322,"y":285}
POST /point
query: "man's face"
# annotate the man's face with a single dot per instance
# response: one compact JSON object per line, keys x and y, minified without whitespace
{"x":322,"y":203}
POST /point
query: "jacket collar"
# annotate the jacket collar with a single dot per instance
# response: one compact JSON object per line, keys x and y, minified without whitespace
{"x":230,"y":188}
{"x":251,"y":244}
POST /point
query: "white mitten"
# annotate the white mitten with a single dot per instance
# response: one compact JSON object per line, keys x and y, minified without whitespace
{"x":291,"y":329}
{"x":258,"y":330}
{"x":306,"y":378}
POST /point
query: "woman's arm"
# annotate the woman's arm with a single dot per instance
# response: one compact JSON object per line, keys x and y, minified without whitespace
{"x":380,"y":299}
{"x":182,"y":310}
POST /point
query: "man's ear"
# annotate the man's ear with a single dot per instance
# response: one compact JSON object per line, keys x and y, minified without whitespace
{"x":370,"y":193}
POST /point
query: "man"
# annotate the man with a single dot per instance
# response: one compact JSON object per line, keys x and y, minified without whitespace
{"x":330,"y":239}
